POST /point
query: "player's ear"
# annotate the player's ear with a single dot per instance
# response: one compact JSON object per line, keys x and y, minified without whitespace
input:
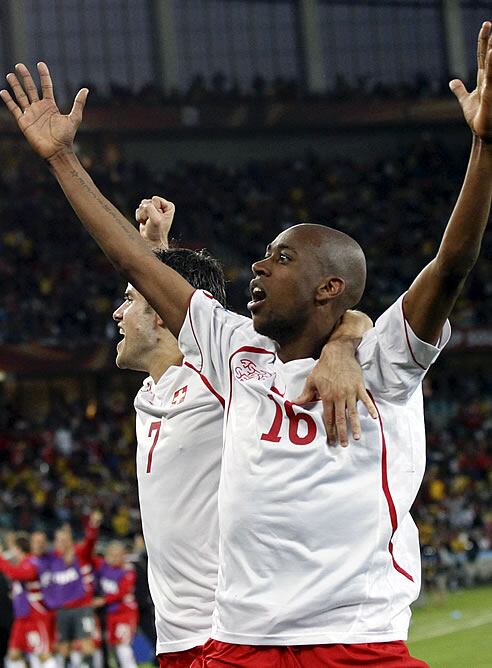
{"x":330,"y":287}
{"x":159,"y":321}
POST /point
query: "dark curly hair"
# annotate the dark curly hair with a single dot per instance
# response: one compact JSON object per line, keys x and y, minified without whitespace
{"x":199,"y":268}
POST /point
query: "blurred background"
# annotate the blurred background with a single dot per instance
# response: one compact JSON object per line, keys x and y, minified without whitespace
{"x":250,"y":115}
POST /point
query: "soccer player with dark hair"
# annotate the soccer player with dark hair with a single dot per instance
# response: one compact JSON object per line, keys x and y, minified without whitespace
{"x":179,"y":442}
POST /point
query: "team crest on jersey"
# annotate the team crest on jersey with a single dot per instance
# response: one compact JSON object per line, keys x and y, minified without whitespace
{"x":179,"y":396}
{"x":249,"y":371}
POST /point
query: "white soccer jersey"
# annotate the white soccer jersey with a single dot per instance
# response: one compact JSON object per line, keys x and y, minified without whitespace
{"x":179,"y":435}
{"x":316,"y":542}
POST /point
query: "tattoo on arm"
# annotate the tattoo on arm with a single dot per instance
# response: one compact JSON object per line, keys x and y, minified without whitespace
{"x":122,"y":222}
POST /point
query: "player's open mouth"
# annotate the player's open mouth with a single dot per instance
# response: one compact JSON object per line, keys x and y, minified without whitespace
{"x":122,"y":338}
{"x":258,"y":297}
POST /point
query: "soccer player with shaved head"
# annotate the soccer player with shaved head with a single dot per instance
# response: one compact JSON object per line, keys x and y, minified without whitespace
{"x":318,"y":553}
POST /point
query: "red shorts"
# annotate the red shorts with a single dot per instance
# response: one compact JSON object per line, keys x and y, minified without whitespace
{"x":121,"y":627}
{"x":34,"y":634}
{"x":377,"y":655}
{"x":182,"y":659}
{"x":97,"y":637}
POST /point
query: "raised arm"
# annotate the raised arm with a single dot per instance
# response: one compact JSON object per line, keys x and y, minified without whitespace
{"x":24,"y":572}
{"x":86,"y":547}
{"x":432,"y":295}
{"x":51,"y":135}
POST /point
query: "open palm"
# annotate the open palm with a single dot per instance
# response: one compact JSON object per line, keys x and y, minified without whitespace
{"x":477,"y":105}
{"x":46,"y":129}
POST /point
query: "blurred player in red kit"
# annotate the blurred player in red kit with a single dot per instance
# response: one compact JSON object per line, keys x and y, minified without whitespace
{"x":67,"y":582}
{"x":32,"y":633}
{"x":115,"y":579}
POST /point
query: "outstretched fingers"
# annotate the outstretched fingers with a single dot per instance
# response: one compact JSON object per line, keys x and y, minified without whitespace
{"x":459,"y":90}
{"x":19,"y":93}
{"x":329,"y":422}
{"x":11,"y":105}
{"x":28,"y":82}
{"x":78,"y":105}
{"x":483,"y":40}
{"x":488,"y":69}
{"x":366,"y":399}
{"x":46,"y":82}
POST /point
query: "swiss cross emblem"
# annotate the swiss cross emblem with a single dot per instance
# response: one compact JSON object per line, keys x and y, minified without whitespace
{"x":179,"y":396}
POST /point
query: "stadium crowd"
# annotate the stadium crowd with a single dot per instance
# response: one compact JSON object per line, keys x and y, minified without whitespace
{"x":64,"y":293}
{"x":66,"y":595}
{"x":73,"y":462}
{"x":78,"y":460}
{"x":218,"y":86}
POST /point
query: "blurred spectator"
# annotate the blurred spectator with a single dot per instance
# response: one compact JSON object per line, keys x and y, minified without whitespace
{"x":217,"y":85}
{"x":44,"y":487}
{"x":65,"y":290}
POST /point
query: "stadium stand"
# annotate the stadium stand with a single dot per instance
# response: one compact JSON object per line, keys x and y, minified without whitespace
{"x":78,"y":458}
{"x":67,"y":438}
{"x":66,"y":291}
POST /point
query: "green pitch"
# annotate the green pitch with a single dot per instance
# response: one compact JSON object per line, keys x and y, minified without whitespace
{"x":456,"y":633}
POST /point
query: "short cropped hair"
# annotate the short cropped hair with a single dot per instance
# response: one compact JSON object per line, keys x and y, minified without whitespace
{"x":22,"y":542}
{"x":199,"y":268}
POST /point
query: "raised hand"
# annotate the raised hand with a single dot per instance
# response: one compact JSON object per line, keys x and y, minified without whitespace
{"x":95,"y":519}
{"x":155,"y":217}
{"x":46,"y":129}
{"x":477,"y":105}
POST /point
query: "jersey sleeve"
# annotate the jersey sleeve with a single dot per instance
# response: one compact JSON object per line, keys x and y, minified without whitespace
{"x":85,"y":549}
{"x":26,"y":571}
{"x":394,"y":360}
{"x":208,"y":336}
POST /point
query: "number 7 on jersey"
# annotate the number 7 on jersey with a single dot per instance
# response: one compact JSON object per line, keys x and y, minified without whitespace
{"x":155,"y":428}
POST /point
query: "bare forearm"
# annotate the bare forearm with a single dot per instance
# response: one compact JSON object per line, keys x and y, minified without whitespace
{"x":116,"y":236}
{"x":433,"y":293}
{"x":353,"y":325}
{"x":163,"y":288}
{"x":462,"y":239}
